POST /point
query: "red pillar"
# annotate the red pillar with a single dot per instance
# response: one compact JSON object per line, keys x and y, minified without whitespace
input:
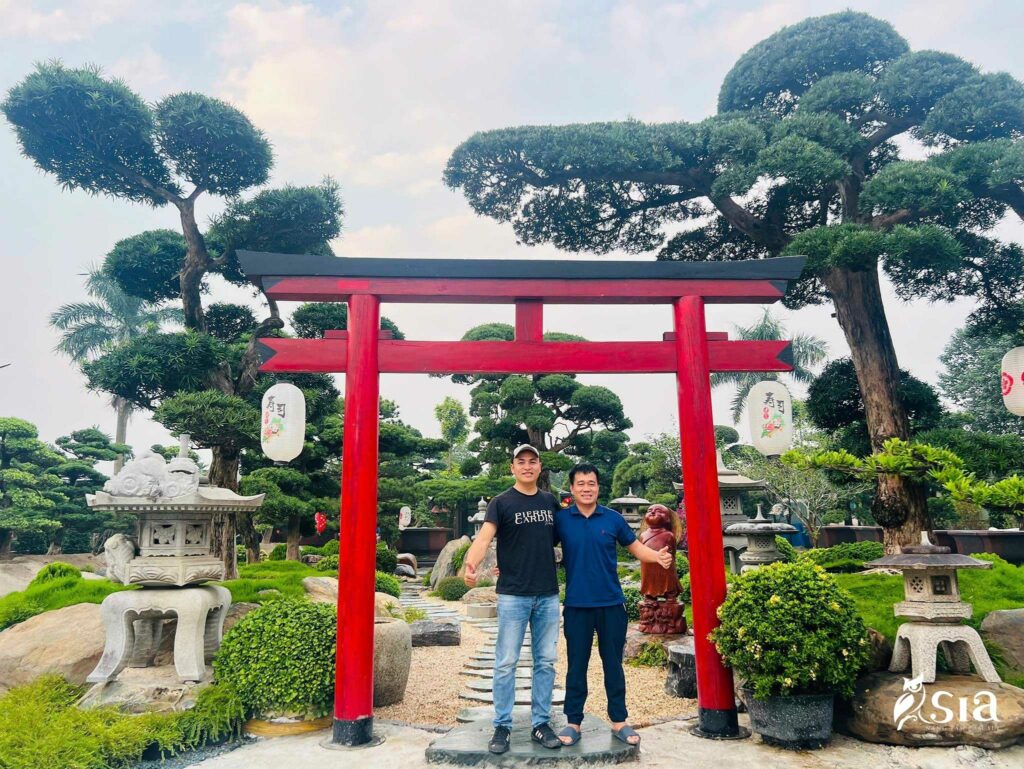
{"x":715,"y":699}
{"x":357,"y":549}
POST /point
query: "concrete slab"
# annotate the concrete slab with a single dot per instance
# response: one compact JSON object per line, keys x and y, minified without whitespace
{"x":489,"y":664}
{"x":489,"y":672}
{"x":486,"y":713}
{"x":466,"y":745}
{"x":487,"y":684}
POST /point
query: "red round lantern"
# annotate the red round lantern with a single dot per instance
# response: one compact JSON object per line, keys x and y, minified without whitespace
{"x":321,"y":522}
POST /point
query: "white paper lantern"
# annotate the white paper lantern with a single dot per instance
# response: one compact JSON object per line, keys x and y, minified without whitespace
{"x":1012,"y":381}
{"x":770,"y":414}
{"x":283,"y":422}
{"x":405,"y":517}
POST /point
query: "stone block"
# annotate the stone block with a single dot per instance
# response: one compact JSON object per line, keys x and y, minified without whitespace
{"x":681,"y":680}
{"x":427,"y":632}
{"x":482,"y":610}
{"x":481,"y":595}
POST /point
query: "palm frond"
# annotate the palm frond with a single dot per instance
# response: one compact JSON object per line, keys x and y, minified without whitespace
{"x":85,"y":341}
{"x":68,"y":315}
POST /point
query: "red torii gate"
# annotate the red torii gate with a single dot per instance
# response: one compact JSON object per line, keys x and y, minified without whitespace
{"x":363,"y":352}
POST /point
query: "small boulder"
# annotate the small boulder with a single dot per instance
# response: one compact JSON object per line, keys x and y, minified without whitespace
{"x":635,"y":641}
{"x":409,"y":560}
{"x":392,"y":660}
{"x":427,"y":632}
{"x":1005,"y":628}
{"x":68,"y":642}
{"x":477,"y":595}
{"x":325,"y":590}
{"x":443,"y":566}
{"x":885,"y":711}
{"x":405,"y":570}
{"x":681,"y":680}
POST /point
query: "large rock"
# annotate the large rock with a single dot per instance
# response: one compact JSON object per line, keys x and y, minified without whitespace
{"x":392,"y":659}
{"x":486,"y":595}
{"x":325,"y":590}
{"x":443,"y":566}
{"x":883,"y":710}
{"x":426,"y":632}
{"x":147,"y":690}
{"x":409,"y":560}
{"x":487,"y":566}
{"x":1005,"y":628}
{"x":68,"y":642}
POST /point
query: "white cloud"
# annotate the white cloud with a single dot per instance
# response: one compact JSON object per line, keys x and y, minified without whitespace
{"x":74,"y":21}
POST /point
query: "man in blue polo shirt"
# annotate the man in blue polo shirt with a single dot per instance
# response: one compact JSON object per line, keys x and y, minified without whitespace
{"x":594,"y":601}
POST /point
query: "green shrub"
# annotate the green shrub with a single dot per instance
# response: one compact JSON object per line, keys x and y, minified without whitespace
{"x":330,"y":547}
{"x":280,"y":659}
{"x":240,"y":553}
{"x":426,"y":578}
{"x":410,"y":614}
{"x":684,"y":594}
{"x":327,"y":563}
{"x":459,"y":557}
{"x":785,"y":548}
{"x":844,"y":558}
{"x":633,"y":599}
{"x":682,"y":565}
{"x":388,"y":583}
{"x":53,"y":593}
{"x":103,"y":737}
{"x":651,"y":655}
{"x":451,"y":588}
{"x":559,"y":575}
{"x":279,"y":553}
{"x":55,"y":570}
{"x":387,"y":559}
{"x":789,"y":628}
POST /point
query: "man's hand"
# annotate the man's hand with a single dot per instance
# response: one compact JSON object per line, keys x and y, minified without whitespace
{"x":470,"y":576}
{"x":665,"y":558}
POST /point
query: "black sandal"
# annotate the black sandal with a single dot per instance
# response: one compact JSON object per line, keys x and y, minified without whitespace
{"x":573,"y":733}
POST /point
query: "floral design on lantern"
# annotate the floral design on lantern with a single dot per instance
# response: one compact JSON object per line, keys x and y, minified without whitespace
{"x":1012,"y":381}
{"x":770,"y":414}
{"x":283,"y":422}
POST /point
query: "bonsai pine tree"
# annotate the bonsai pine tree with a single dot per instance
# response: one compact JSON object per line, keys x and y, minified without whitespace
{"x":29,"y":489}
{"x":801,"y":158}
{"x":566,"y":421}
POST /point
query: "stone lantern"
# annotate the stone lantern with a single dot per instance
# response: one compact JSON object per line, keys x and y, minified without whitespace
{"x":477,"y":519}
{"x":760,"y":534}
{"x":730,"y":485}
{"x":171,"y":557}
{"x":933,"y":607}
{"x":632,"y":508}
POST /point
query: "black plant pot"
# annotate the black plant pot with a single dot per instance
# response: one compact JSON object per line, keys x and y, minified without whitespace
{"x":796,"y":721}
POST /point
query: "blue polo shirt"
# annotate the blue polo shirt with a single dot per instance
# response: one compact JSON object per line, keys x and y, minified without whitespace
{"x":588,"y":552}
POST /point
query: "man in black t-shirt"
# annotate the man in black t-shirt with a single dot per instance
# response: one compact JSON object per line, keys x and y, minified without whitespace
{"x":523,"y":520}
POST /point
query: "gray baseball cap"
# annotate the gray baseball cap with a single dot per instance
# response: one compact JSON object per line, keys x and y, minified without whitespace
{"x":524,"y":447}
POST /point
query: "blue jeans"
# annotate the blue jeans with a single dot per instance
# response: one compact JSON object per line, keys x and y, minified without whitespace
{"x":515,"y":612}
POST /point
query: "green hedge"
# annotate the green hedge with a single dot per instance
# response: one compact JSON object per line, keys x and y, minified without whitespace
{"x":280,"y":658}
{"x":785,"y":548}
{"x":284,"y":577}
{"x":279,"y":553}
{"x":55,"y":570}
{"x":844,"y":558}
{"x":459,"y":557}
{"x":633,"y":599}
{"x":40,"y":726}
{"x":53,"y":592}
{"x":451,"y":588}
{"x":327,"y":563}
{"x":388,"y":583}
{"x":387,"y":559}
{"x":789,"y":628}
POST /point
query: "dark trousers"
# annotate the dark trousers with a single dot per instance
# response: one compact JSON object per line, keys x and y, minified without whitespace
{"x":579,"y":626}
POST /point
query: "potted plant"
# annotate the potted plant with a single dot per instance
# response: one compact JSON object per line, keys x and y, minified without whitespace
{"x":795,"y":637}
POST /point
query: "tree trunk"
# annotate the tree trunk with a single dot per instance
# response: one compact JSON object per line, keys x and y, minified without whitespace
{"x":121,"y":434}
{"x":900,"y":504}
{"x":56,"y":544}
{"x":6,"y":539}
{"x":224,"y":473}
{"x":197,"y":261}
{"x":294,"y":533}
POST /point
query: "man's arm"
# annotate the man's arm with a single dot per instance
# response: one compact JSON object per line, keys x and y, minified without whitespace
{"x":477,"y":551}
{"x":645,"y":554}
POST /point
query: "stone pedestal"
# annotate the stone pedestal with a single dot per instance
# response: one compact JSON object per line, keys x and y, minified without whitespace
{"x":133,"y":620}
{"x":917,"y":646}
{"x":666,"y":617}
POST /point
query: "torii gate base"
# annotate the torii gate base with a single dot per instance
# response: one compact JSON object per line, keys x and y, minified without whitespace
{"x":363,"y":353}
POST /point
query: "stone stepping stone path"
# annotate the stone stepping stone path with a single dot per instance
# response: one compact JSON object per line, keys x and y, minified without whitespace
{"x":523,"y":696}
{"x":487,"y":685}
{"x":523,"y":671}
{"x":488,"y":665}
{"x":466,"y":744}
{"x":436,"y":610}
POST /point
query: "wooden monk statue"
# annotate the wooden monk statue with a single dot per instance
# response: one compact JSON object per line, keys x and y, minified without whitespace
{"x":660,"y":611}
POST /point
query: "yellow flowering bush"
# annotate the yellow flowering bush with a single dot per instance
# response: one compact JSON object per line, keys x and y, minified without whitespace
{"x":790,"y":629}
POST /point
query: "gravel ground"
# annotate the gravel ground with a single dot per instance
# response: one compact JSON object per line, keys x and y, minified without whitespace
{"x":432,"y":694}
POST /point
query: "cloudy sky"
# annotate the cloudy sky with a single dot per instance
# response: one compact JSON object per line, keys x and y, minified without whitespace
{"x":377,"y":94}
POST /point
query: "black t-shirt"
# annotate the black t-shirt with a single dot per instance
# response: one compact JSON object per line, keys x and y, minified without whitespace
{"x":526,"y":542}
